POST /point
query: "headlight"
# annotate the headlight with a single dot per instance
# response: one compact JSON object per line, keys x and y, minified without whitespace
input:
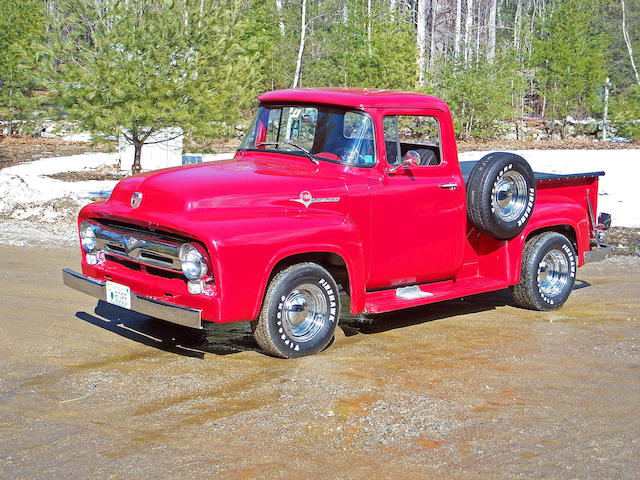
{"x":192,"y":262}
{"x":88,"y":237}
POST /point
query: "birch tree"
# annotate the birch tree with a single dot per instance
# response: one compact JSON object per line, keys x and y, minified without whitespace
{"x":280,"y":22}
{"x":456,"y":43}
{"x":627,"y":40}
{"x":303,"y":33}
{"x":468,"y":24}
{"x":421,"y":36}
{"x":493,"y":6}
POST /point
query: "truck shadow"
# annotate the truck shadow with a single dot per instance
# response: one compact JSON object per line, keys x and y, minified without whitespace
{"x":482,"y":302}
{"x":213,"y":339}
{"x":232,"y":338}
{"x":382,"y":322}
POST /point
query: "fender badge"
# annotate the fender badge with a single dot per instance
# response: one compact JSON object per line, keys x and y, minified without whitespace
{"x":307,"y":199}
{"x":136,"y":198}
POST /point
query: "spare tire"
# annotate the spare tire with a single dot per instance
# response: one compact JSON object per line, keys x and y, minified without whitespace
{"x":501,"y":193}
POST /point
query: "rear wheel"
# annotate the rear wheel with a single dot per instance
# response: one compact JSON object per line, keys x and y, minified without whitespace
{"x":300,"y":312}
{"x":547,"y":273}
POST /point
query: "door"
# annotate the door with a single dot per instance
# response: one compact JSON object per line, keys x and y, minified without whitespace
{"x":418,"y":209}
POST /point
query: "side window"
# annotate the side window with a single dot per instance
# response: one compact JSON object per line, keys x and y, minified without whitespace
{"x":419,"y":134}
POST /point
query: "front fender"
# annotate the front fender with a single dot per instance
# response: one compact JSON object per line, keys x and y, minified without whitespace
{"x":246,"y":258}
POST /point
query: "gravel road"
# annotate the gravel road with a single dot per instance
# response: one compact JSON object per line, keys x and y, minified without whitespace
{"x":472,"y":388}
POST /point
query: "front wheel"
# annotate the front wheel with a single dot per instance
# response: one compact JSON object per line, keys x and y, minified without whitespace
{"x":548,"y":272}
{"x":299,"y":313}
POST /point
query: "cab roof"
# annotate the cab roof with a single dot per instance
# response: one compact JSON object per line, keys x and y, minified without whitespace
{"x":353,"y":97}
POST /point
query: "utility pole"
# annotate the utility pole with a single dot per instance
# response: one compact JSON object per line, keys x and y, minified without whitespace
{"x":605,"y":119}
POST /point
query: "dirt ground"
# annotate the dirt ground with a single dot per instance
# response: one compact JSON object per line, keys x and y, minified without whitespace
{"x":472,"y":388}
{"x":18,"y":149}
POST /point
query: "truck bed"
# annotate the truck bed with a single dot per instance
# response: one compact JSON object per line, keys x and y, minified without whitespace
{"x":467,"y":166}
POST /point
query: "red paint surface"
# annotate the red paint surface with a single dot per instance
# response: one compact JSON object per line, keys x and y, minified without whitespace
{"x":390,"y":230}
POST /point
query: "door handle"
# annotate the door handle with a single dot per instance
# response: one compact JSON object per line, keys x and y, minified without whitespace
{"x":450,"y":186}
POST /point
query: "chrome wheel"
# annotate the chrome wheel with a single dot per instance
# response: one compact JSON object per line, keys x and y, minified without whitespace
{"x":509,"y":196}
{"x":304,"y":312}
{"x":553,"y":273}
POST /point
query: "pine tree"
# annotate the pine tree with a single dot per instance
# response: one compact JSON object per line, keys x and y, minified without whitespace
{"x":137,"y":66}
{"x":21,"y":25}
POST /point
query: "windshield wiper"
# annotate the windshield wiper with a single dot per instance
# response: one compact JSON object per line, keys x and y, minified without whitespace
{"x":302,"y":149}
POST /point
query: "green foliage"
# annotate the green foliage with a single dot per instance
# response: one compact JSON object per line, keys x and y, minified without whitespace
{"x":344,"y":57}
{"x":21,"y":25}
{"x":568,"y":57}
{"x":477,"y":95}
{"x":626,"y":113}
{"x":149,"y":64}
{"x":137,"y":65}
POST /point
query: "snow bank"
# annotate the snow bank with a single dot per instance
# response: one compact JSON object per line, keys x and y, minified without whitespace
{"x":26,"y":192}
{"x":617,"y":190}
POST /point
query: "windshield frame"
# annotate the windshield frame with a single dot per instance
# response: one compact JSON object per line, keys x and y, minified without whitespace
{"x":251,"y":132}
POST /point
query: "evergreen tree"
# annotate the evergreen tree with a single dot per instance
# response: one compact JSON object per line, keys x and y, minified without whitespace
{"x":137,"y":66}
{"x":21,"y":25}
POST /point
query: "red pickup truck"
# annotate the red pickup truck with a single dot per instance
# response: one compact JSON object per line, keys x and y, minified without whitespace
{"x":332,"y":190}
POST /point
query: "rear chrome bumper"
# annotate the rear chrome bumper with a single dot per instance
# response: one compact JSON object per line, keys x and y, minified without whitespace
{"x":185,"y":316}
{"x":598,"y":254}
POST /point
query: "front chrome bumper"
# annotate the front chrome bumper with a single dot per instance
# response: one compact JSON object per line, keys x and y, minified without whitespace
{"x":185,"y":316}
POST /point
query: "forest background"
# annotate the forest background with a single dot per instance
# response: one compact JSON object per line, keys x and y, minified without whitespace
{"x":135,"y":66}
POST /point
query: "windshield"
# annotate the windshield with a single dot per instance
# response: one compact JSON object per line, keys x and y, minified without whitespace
{"x":327,"y":133}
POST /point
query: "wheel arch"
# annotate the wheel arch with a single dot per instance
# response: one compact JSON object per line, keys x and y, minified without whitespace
{"x":346,"y":272}
{"x":567,"y":229}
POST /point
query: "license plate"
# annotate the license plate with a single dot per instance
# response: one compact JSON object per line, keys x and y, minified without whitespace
{"x":119,"y":295}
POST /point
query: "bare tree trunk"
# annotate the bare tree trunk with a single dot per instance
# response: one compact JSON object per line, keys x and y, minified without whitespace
{"x":492,"y":29}
{"x":478,"y":34}
{"x":432,"y":49}
{"x":516,"y":26}
{"x":627,"y":40}
{"x":456,"y":43}
{"x":467,"y":32}
{"x":392,"y":8}
{"x":422,"y":39}
{"x":303,"y":33}
{"x":136,"y":167}
{"x":369,"y":26}
{"x":280,"y":22}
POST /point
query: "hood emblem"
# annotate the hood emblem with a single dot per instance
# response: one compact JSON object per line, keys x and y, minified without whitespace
{"x":307,"y":199}
{"x":136,"y":198}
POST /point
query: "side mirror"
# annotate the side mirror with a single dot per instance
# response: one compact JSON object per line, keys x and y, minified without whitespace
{"x":411,"y":158}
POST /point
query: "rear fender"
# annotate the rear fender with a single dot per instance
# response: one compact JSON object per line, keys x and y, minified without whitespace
{"x":561,"y":217}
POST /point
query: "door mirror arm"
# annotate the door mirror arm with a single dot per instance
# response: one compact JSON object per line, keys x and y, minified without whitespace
{"x":407,"y":162}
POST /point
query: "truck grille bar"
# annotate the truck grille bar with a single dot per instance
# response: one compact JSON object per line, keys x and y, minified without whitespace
{"x":143,"y":248}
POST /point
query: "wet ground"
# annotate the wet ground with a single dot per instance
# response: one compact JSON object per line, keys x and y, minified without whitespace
{"x":473,"y":388}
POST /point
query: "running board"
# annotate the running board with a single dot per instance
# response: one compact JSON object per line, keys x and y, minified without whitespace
{"x":405,"y":297}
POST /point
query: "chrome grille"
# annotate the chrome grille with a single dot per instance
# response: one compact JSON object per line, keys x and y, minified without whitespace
{"x":142,"y":247}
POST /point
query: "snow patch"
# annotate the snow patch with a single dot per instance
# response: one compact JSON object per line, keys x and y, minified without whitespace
{"x":26,"y":192}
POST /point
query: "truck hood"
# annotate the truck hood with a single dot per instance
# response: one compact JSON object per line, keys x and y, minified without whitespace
{"x":255,"y":185}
